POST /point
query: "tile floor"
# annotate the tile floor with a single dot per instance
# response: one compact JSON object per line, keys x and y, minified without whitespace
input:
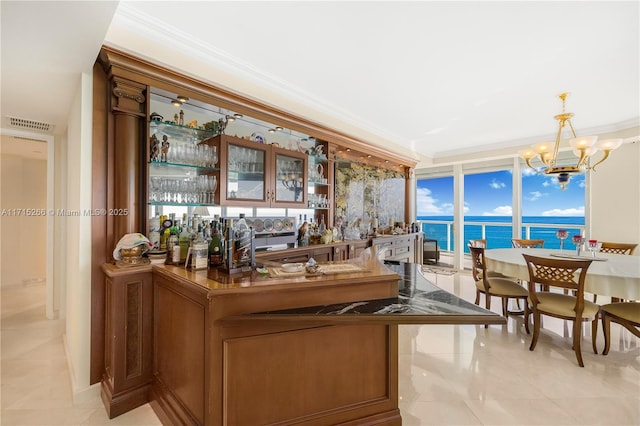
{"x":449,"y":375}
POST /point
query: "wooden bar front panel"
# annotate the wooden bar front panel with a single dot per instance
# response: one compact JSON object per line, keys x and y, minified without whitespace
{"x":208,"y":373}
{"x":308,"y":374}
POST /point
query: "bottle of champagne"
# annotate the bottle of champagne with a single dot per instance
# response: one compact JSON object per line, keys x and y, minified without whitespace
{"x":216,"y":249}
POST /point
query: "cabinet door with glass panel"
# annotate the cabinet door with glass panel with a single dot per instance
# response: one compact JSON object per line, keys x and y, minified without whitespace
{"x":260,"y":175}
{"x":289,"y":178}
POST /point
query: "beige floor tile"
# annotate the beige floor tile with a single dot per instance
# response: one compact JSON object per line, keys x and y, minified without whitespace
{"x":460,"y":375}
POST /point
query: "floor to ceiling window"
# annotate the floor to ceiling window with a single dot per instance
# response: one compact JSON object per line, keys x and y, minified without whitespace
{"x":546,"y":208}
{"x":488,"y":208}
{"x":489,"y":205}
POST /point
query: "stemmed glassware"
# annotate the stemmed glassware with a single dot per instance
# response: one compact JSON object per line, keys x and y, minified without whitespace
{"x":578,"y":240}
{"x":562,"y":235}
{"x":594,"y":247}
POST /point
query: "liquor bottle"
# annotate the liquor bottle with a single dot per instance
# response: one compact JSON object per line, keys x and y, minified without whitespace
{"x":216,"y":249}
{"x":184,"y":241}
{"x":173,"y":249}
{"x":228,"y":243}
{"x":322,"y":227}
{"x":154,"y":232}
{"x":242,"y":239}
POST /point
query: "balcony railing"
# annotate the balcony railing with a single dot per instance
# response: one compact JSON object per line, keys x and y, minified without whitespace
{"x":497,"y":234}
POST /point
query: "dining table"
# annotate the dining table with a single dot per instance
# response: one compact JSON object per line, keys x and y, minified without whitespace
{"x":614,"y":275}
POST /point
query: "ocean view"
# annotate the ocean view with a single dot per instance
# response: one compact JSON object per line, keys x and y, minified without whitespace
{"x":498,"y":229}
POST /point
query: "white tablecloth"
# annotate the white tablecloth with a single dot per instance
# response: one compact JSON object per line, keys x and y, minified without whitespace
{"x":618,"y":276}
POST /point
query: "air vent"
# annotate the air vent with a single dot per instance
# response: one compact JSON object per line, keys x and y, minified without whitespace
{"x":29,"y":124}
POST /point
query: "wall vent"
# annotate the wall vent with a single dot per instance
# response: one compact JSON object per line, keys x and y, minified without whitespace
{"x":29,"y":124}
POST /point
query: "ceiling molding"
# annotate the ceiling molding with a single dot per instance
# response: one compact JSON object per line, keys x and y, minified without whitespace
{"x":159,"y":32}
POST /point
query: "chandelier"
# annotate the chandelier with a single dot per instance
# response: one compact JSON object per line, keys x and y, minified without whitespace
{"x":583,"y":148}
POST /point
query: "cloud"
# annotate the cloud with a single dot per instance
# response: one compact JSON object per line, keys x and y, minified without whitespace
{"x":565,"y":212}
{"x":500,"y":211}
{"x":528,"y":172}
{"x":448,"y":208}
{"x":534,"y":195}
{"x":497,"y":185}
{"x":426,"y":204}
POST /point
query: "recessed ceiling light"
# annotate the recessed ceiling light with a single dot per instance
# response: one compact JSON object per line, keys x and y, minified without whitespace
{"x":176,"y":102}
{"x":278,"y":128}
{"x":182,"y":99}
{"x":272,"y":130}
{"x":236,"y":115}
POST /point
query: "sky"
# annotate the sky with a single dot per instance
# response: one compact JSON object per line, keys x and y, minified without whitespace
{"x":489,"y":194}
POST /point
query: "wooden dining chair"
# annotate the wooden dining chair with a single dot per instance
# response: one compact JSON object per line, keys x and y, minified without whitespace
{"x":627,"y":314}
{"x":501,"y":287}
{"x":516,"y":243}
{"x":618,"y":248}
{"x":478,"y":243}
{"x":567,"y":275}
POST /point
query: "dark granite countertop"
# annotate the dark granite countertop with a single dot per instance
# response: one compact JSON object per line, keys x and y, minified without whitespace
{"x":418,"y":302}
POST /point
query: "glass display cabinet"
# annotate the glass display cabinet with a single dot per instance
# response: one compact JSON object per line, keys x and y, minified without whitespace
{"x":183,"y":166}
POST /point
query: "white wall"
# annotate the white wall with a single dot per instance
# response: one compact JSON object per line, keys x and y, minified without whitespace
{"x":23,"y":186}
{"x":78,"y":235}
{"x":615,"y":197}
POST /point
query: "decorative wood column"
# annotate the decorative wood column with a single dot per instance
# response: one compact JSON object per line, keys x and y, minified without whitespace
{"x":128,"y":338}
{"x":128,"y":105}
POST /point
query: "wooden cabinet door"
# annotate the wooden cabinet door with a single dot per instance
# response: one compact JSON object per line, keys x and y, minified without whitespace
{"x":340,"y":252}
{"x":321,"y":253}
{"x":245,"y":173}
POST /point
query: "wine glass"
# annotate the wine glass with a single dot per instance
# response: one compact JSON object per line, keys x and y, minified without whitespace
{"x":562,"y":235}
{"x":578,"y":241}
{"x":594,"y":247}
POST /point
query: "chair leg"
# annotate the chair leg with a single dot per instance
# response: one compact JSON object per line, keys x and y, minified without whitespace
{"x":527,"y":312}
{"x":477,"y":302}
{"x":594,"y":332}
{"x":536,"y":330}
{"x":606,"y":329}
{"x":505,"y":302}
{"x":487,"y":304}
{"x":577,"y":336}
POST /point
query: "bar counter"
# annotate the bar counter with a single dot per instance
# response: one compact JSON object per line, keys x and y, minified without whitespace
{"x":253,"y":349}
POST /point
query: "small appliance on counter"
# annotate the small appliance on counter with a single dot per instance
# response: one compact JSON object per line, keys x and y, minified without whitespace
{"x":273,"y":232}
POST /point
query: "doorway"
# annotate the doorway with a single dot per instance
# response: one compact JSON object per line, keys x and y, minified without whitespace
{"x":27,"y":207}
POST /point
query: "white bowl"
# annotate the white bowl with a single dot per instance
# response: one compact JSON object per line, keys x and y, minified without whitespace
{"x":292,"y":267}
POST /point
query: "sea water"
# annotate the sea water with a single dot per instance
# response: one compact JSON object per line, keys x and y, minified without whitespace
{"x":499,"y":235}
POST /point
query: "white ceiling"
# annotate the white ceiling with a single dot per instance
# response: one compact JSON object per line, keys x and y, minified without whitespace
{"x":435,"y":78}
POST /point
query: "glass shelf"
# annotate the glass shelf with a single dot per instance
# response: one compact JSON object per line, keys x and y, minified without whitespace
{"x":181,"y":131}
{"x":162,"y":203}
{"x":168,"y":166}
